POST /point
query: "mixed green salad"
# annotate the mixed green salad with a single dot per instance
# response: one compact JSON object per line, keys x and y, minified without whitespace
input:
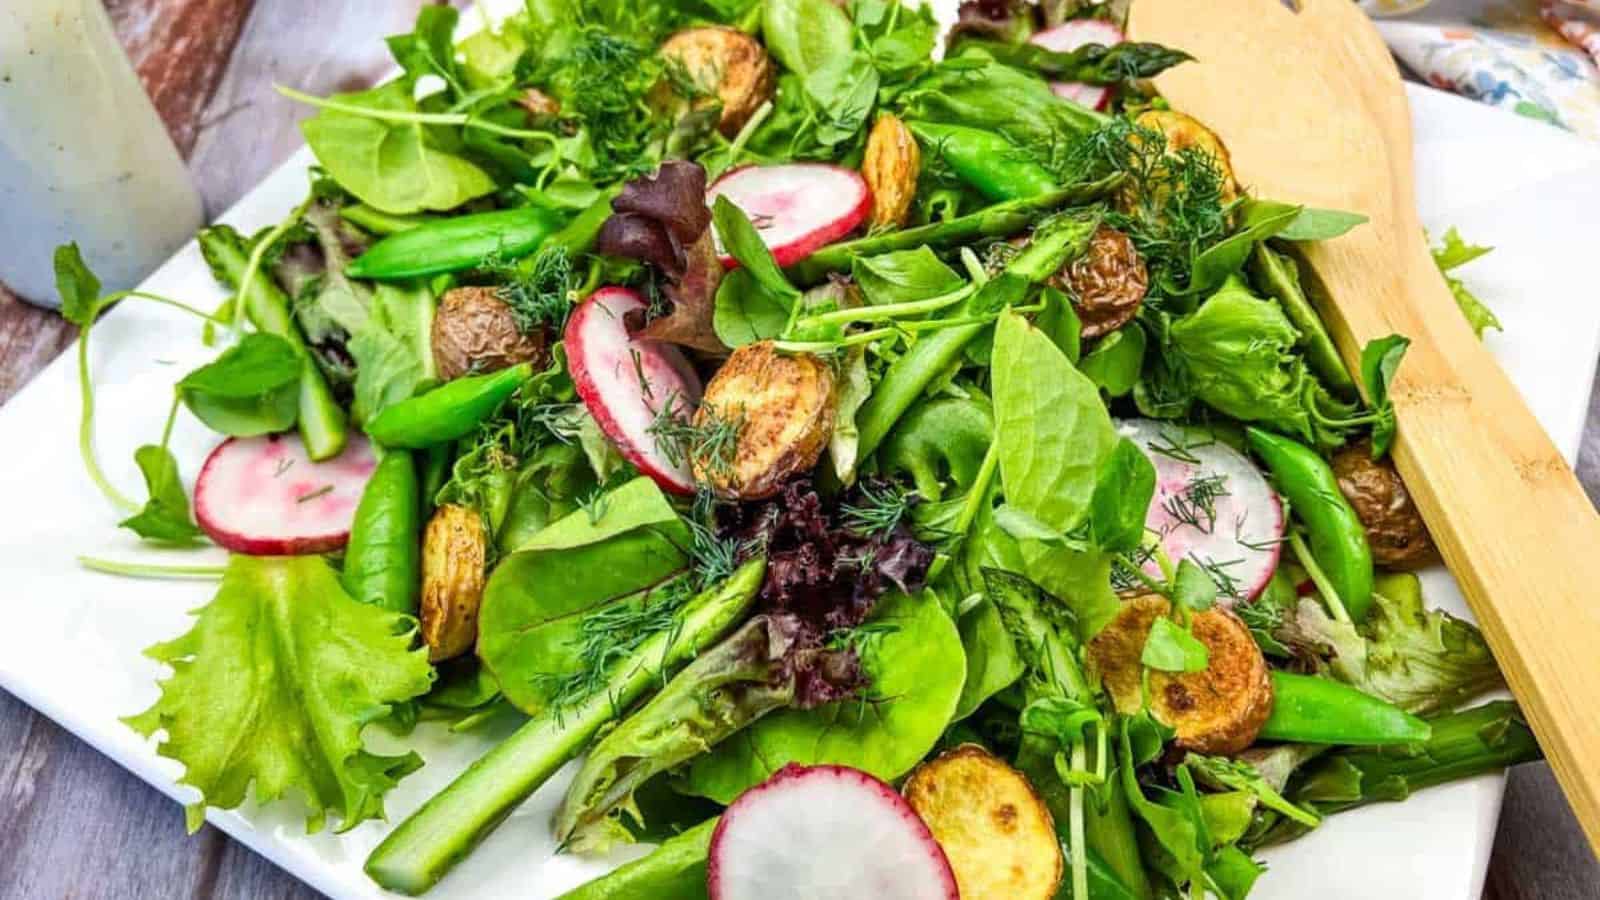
{"x":895,"y":462}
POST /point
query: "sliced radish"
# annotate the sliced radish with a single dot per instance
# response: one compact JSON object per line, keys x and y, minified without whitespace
{"x":825,"y":833}
{"x":1211,"y":506}
{"x":798,"y":207}
{"x":265,"y":497}
{"x":1069,"y":36}
{"x":626,"y":381}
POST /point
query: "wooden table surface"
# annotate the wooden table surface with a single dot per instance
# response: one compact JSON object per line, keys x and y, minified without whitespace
{"x":73,"y":823}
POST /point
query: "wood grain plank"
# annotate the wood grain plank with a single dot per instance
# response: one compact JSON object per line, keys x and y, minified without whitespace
{"x":180,"y":50}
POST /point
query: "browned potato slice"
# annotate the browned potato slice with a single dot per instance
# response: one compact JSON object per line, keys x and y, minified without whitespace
{"x":475,"y":332}
{"x":781,"y":408}
{"x":890,"y":166}
{"x":1185,"y":131}
{"x":453,"y":558}
{"x":730,"y":62}
{"x":996,"y":832}
{"x":1219,"y":710}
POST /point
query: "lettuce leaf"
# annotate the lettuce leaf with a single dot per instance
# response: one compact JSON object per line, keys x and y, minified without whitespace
{"x":274,"y":684}
{"x":1453,"y":253}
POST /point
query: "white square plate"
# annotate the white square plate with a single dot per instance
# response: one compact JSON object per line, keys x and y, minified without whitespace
{"x":72,"y":639}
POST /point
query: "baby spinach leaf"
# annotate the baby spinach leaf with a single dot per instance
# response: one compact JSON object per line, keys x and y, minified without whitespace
{"x":993,"y":663}
{"x":580,"y":593}
{"x":1192,"y":587}
{"x":1170,"y":648}
{"x":280,"y":654}
{"x":165,"y":516}
{"x":898,"y":53}
{"x":430,"y":48}
{"x":1053,"y":431}
{"x":78,"y":287}
{"x":393,"y":166}
{"x":252,"y":388}
{"x":742,"y":241}
{"x":1121,"y":498}
{"x":745,"y":312}
{"x":1379,"y":361}
{"x":1060,"y":322}
{"x":1173,"y":830}
{"x":1115,"y":363}
{"x":843,"y":89}
{"x":1022,"y":525}
{"x":917,"y":672}
{"x":805,"y":34}
{"x":1233,"y":872}
{"x":1314,"y":224}
{"x":1258,"y":220}
{"x":904,"y":276}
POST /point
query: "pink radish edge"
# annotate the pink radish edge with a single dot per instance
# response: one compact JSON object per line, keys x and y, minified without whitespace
{"x":838,"y":833}
{"x":798,"y":207}
{"x":1246,"y":534}
{"x":624,"y":382}
{"x":263,"y":496}
{"x":1069,"y":36}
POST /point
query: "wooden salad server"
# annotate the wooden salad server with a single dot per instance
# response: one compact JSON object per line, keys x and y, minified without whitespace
{"x":1312,"y":110}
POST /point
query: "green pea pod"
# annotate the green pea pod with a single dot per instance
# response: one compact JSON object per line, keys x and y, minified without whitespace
{"x":381,"y":562}
{"x":448,"y":412}
{"x":987,"y":161}
{"x":578,"y":236}
{"x":1314,"y":710}
{"x":456,"y":243}
{"x":1338,"y":539}
{"x":378,"y":222}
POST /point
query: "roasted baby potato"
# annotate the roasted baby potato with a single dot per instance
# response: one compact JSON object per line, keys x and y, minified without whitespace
{"x":454,"y":550}
{"x":731,"y":64}
{"x":1395,"y":529}
{"x":996,"y":832}
{"x":778,"y":407}
{"x":1107,"y":283}
{"x":1218,"y":710}
{"x":1184,"y":131}
{"x":474,"y":332}
{"x":890,"y":166}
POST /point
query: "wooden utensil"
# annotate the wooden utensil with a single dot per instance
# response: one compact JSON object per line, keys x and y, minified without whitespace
{"x":1312,"y":111}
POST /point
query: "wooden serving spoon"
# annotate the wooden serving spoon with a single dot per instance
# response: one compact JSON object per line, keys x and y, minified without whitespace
{"x":1312,"y":110}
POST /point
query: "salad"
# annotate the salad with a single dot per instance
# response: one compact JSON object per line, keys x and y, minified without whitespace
{"x":890,"y":462}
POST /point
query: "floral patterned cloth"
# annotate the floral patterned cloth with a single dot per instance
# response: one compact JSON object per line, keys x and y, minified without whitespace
{"x":1534,"y":57}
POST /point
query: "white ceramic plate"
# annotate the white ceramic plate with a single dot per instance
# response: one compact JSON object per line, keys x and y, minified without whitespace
{"x":72,"y":639}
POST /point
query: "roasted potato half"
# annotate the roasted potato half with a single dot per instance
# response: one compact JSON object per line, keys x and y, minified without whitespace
{"x":728,"y":62}
{"x":1395,"y":529}
{"x":1106,"y":284}
{"x":890,"y":167}
{"x":474,"y":331}
{"x":1184,"y":131}
{"x":1219,"y":710}
{"x":779,"y":409}
{"x":454,"y":551}
{"x":996,"y":832}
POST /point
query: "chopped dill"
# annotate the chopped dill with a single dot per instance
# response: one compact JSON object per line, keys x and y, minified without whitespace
{"x":1196,"y":504}
{"x":1179,"y":445}
{"x":594,"y":504}
{"x":608,"y":635}
{"x":709,"y":439}
{"x":882,"y":508}
{"x":537,"y":295}
{"x":859,"y":637}
{"x":1226,"y":582}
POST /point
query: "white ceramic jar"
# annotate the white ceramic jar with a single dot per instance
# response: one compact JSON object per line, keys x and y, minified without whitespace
{"x":83,"y":154}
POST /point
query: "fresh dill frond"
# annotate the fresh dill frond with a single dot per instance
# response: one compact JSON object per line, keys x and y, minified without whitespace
{"x":1196,"y":504}
{"x":860,"y":636}
{"x":709,"y":439}
{"x":539,"y":294}
{"x":882,"y":508}
{"x":608,"y":635}
{"x":1180,"y":444}
{"x":1226,"y":582}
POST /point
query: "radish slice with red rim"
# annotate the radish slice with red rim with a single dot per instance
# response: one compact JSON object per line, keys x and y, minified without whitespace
{"x":1069,"y":36}
{"x":265,"y":497}
{"x":825,"y":833}
{"x":1212,"y":506}
{"x":626,"y":381}
{"x":797,"y":207}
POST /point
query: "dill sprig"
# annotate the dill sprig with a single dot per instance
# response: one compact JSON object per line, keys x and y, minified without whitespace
{"x":882,"y":508}
{"x":612,"y":634}
{"x":860,"y":636}
{"x":1196,"y":504}
{"x":1226,"y":582}
{"x":1179,"y":444}
{"x":709,"y":439}
{"x":537,"y":295}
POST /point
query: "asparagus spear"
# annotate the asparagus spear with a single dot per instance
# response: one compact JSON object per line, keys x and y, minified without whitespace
{"x":675,"y":871}
{"x":425,"y":846}
{"x":998,"y":221}
{"x":322,"y":423}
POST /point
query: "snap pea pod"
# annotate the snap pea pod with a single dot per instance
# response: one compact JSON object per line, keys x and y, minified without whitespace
{"x":1338,"y":539}
{"x":988,"y":162}
{"x":379,"y":222}
{"x":456,"y":243}
{"x":578,"y":236}
{"x":997,"y":221}
{"x":1278,"y":276}
{"x":382,"y":560}
{"x":321,"y":422}
{"x":676,"y":870}
{"x":448,"y":412}
{"x":934,"y":353}
{"x":1312,"y":710}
